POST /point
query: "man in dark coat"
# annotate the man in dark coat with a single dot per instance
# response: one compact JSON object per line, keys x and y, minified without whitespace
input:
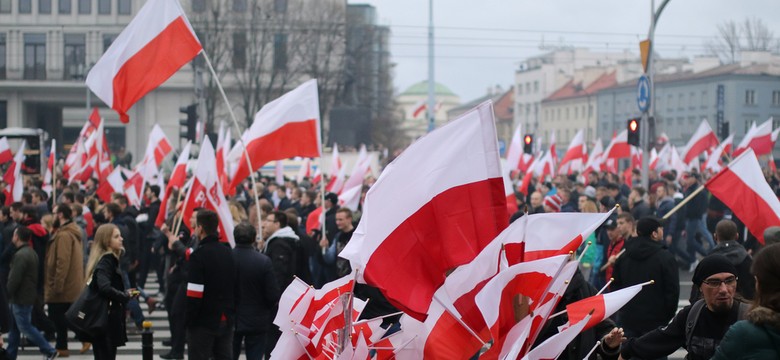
{"x":694,"y":215}
{"x":646,"y":259}
{"x":210,"y":293}
{"x":639,"y":206}
{"x":726,"y":236}
{"x":257,"y":294}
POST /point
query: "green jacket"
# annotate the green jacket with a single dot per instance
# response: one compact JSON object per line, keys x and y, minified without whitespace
{"x":756,"y":338}
{"x":23,"y":278}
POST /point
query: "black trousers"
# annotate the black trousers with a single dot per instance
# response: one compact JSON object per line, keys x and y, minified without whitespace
{"x":57,"y":315}
{"x":205,"y":344}
{"x":177,"y":317}
{"x":102,"y":349}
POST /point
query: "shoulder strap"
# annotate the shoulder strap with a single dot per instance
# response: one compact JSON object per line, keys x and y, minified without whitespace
{"x":690,"y":321}
{"x":743,"y":310}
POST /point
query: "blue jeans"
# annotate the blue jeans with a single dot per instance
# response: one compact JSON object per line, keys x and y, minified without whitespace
{"x":22,"y":315}
{"x":135,"y":309}
{"x":692,"y":226}
{"x":254,"y":345}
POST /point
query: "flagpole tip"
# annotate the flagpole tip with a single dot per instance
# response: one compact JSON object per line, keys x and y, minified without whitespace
{"x":652,"y":282}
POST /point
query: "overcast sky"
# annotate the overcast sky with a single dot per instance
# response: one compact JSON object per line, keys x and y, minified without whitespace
{"x":479,"y":43}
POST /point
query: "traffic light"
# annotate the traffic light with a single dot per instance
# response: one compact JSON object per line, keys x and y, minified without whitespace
{"x":190,"y":123}
{"x":633,"y":132}
{"x":528,"y":144}
{"x":723,"y":130}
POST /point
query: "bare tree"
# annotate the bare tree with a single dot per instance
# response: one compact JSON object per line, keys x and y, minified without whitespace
{"x":733,"y":38}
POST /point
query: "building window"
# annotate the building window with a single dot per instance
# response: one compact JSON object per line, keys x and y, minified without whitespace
{"x":576,"y":112}
{"x":44,"y":6}
{"x":239,"y":5}
{"x":750,"y":97}
{"x":280,"y":52}
{"x":776,"y":98}
{"x":2,"y":56}
{"x":198,"y":6}
{"x":704,"y":101}
{"x":25,"y":6}
{"x":35,"y":56}
{"x":5,"y":6}
{"x":520,"y":90}
{"x":681,"y":101}
{"x":280,"y":6}
{"x":85,"y":7}
{"x":528,"y":88}
{"x":124,"y":7}
{"x":64,"y":6}
{"x":239,"y":50}
{"x":104,"y":7}
{"x":75,"y":56}
{"x":3,"y":114}
{"x":692,"y":100}
{"x":108,"y":39}
{"x":669,"y":105}
{"x":567,"y":113}
{"x":536,"y":86}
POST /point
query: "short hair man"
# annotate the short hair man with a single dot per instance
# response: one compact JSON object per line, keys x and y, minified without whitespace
{"x":726,"y":238}
{"x":698,"y":327}
{"x":340,"y":267}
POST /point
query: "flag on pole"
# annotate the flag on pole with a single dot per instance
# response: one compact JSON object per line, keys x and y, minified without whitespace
{"x":50,"y":167}
{"x":702,"y":140}
{"x":742,"y":187}
{"x":14,"y":184}
{"x":111,"y":184}
{"x":714,"y":162}
{"x":176,"y":181}
{"x":575,"y":152}
{"x":758,"y":138}
{"x":618,"y":148}
{"x":286,"y":127}
{"x":6,"y":154}
{"x":602,"y":305}
{"x":456,"y":206}
{"x":157,"y":43}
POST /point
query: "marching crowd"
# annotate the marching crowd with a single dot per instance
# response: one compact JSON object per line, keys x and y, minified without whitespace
{"x":222,"y":301}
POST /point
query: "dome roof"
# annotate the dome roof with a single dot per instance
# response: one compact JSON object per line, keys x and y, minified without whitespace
{"x":421,"y":88}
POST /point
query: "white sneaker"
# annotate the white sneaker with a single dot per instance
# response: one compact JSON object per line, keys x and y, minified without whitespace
{"x":694,"y":264}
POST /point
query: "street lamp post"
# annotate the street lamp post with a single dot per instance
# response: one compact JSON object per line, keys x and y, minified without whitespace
{"x":431,"y":83}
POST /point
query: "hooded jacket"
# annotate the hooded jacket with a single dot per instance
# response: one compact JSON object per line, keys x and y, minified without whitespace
{"x":64,"y":278}
{"x":656,"y":304}
{"x":281,"y":248}
{"x":758,"y":337}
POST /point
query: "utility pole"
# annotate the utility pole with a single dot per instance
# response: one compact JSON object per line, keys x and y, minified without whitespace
{"x":644,"y":133}
{"x":431,"y":83}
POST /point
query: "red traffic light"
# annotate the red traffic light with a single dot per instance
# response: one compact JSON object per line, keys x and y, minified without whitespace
{"x":528,"y":139}
{"x":633,"y":125}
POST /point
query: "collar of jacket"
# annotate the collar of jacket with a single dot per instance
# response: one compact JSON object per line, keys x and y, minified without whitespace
{"x":208,"y":239}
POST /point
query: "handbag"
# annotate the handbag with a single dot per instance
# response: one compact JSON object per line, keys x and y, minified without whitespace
{"x":89,"y":314}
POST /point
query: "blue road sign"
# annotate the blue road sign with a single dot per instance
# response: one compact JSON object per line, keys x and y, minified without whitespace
{"x":643,"y":93}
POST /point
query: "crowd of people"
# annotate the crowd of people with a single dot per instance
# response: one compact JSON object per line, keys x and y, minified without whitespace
{"x":221,"y":301}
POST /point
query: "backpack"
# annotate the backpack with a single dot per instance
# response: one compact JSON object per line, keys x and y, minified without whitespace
{"x":693,"y":317}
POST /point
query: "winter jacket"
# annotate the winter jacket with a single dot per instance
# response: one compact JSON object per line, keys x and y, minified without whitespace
{"x":107,"y":279}
{"x":695,"y":208}
{"x":641,"y":209}
{"x":64,"y":265}
{"x":737,"y":256}
{"x":210,"y":284}
{"x":656,"y":304}
{"x":40,"y":240}
{"x":281,"y":249}
{"x":257,"y":291}
{"x":757,"y":338}
{"x":8,"y":249}
{"x":23,"y":278}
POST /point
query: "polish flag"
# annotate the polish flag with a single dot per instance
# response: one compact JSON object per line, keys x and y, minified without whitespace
{"x":350,"y":198}
{"x":618,"y":148}
{"x":545,"y":166}
{"x":304,"y":171}
{"x":509,"y":191}
{"x":553,"y":152}
{"x":555,"y":345}
{"x":546,"y":236}
{"x":550,"y":301}
{"x":286,"y":127}
{"x":158,"y":146}
{"x":512,"y":345}
{"x":676,"y":163}
{"x":5,"y":151}
{"x":714,"y":162}
{"x":133,"y":188}
{"x":336,"y":183}
{"x":514,"y":153}
{"x":416,"y":234}
{"x":594,"y":160}
{"x":14,"y":184}
{"x":576,"y":151}
{"x":758,"y":138}
{"x":221,"y":156}
{"x":421,"y":107}
{"x":73,"y":155}
{"x":47,"y":179}
{"x":206,"y":192}
{"x":111,"y":184}
{"x":659,"y":161}
{"x":176,"y":181}
{"x":602,"y":306}
{"x":359,"y":171}
{"x":314,"y":220}
{"x":156,"y":44}
{"x":742,"y":187}
{"x":702,"y":140}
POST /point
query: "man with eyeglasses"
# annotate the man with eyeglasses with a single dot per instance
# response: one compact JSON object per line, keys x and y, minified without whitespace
{"x":699,"y":327}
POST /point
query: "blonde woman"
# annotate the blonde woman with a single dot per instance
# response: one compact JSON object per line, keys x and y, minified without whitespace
{"x":103,"y":274}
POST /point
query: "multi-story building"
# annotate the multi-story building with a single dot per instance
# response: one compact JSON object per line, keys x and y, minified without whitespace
{"x":415,"y":123}
{"x":750,"y":89}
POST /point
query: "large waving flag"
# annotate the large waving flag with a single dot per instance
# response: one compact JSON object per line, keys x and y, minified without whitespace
{"x":702,"y":140}
{"x":111,"y":184}
{"x":206,"y":192}
{"x":742,"y":187}
{"x":758,"y":138}
{"x":5,"y":151}
{"x":156,"y":44}
{"x":618,"y":148}
{"x":412,"y":233}
{"x":178,"y":176}
{"x":575,"y":154}
{"x":48,"y":183}
{"x":159,"y":146}
{"x":286,"y":127}
{"x":14,"y":185}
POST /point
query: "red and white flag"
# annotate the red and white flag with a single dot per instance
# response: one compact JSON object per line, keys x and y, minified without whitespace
{"x":742,"y":187}
{"x":74,"y":156}
{"x":206,"y":192}
{"x":14,"y":184}
{"x":350,"y":198}
{"x":286,"y":127}
{"x":336,"y":183}
{"x":555,"y":345}
{"x":618,"y":148}
{"x":47,"y":179}
{"x":415,"y":234}
{"x":515,"y":151}
{"x":702,"y":140}
{"x":676,"y":163}
{"x":714,"y":162}
{"x":157,"y":43}
{"x":111,"y":184}
{"x":6,"y":154}
{"x":421,"y":107}
{"x":359,"y":171}
{"x":573,"y":159}
{"x":176,"y":181}
{"x":304,"y":171}
{"x":158,"y":146}
{"x":545,"y":237}
{"x":594,"y":160}
{"x":758,"y":138}
{"x":223,"y":147}
{"x":602,"y":306}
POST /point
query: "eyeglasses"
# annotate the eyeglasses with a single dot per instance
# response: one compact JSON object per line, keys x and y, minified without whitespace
{"x":715,"y":283}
